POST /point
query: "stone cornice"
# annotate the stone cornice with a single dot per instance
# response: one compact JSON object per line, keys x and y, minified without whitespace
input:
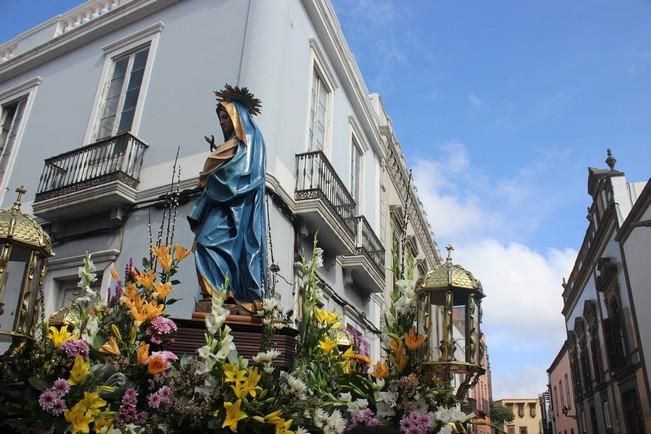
{"x":397,"y":169}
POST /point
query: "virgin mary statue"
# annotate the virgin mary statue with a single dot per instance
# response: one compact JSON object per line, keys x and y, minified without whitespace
{"x":228,"y":219}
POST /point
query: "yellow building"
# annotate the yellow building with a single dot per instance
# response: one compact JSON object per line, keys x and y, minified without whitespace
{"x":527,"y":416}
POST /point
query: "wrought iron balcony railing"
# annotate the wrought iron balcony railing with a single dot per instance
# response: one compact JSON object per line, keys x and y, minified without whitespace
{"x":117,"y":158}
{"x":368,"y":243}
{"x":317,"y":179}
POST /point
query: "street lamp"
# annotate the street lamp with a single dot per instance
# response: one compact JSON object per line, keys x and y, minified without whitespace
{"x":449,"y":314}
{"x":24,"y":247}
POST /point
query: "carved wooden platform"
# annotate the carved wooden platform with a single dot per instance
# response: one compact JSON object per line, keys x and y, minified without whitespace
{"x":246,"y":332}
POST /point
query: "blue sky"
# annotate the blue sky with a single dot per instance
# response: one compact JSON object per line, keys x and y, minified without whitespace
{"x":500,"y":108}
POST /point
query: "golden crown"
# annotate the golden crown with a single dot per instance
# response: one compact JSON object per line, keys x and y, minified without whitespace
{"x":240,"y":95}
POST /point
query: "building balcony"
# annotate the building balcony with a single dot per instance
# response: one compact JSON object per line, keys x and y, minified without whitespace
{"x":366,"y":263}
{"x":324,"y":204}
{"x":96,"y":178}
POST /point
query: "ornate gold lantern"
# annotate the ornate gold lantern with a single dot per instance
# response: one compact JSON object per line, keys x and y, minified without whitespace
{"x":24,"y":247}
{"x":449,"y":314}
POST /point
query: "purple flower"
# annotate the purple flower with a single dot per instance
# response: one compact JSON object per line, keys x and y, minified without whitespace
{"x":165,"y":392}
{"x":47,"y":399}
{"x":73,"y":348}
{"x":415,"y":423}
{"x":365,"y":417}
{"x":58,"y":407}
{"x":154,"y":400}
{"x":127,"y":412}
{"x":130,"y":396}
{"x":160,"y":326}
{"x":61,"y":386}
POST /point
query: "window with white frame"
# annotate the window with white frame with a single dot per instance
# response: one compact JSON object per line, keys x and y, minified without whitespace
{"x":319,"y":97}
{"x":11,"y":116}
{"x":122,"y":92}
{"x":356,"y":174}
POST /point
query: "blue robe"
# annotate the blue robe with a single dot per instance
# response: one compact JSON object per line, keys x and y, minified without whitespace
{"x":229,"y":218}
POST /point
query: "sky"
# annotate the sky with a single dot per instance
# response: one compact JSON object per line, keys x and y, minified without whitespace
{"x":500,"y":107}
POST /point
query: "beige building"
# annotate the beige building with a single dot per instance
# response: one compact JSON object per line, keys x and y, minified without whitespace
{"x":527,"y":415}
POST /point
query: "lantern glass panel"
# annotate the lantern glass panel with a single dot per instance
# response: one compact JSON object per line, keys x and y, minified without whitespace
{"x":12,"y":282}
{"x":436,"y":324}
{"x":459,"y":331}
{"x":476,"y":332}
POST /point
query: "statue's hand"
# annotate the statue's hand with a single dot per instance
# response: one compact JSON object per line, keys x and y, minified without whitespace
{"x":211,"y":142}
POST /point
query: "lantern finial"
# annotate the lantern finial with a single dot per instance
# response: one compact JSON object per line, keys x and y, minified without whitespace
{"x":20,"y":190}
{"x":449,"y":248}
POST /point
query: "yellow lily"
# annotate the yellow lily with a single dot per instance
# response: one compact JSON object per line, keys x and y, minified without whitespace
{"x":79,"y":370}
{"x":233,"y":373}
{"x":233,"y":415}
{"x":60,"y":336}
{"x":283,"y":427}
{"x":327,"y":344}
{"x":78,"y":419}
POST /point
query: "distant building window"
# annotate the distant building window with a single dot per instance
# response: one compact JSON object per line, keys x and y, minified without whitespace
{"x":510,"y":429}
{"x":555,"y":393}
{"x":520,"y":410}
{"x":11,"y":116}
{"x":560,"y":389}
{"x":532,"y":410}
{"x":122,"y":93}
{"x":523,"y":430}
{"x":567,"y":391}
{"x":318,"y":113}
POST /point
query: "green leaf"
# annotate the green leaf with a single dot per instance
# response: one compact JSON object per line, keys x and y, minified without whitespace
{"x":37,"y":383}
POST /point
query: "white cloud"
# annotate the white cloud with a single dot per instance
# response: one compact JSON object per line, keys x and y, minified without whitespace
{"x":522,"y":287}
{"x":525,"y":382}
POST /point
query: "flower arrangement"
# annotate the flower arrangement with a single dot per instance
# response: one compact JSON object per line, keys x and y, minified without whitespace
{"x":108,"y":369}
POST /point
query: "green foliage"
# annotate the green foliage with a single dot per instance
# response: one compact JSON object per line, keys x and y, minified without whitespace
{"x":500,"y":414}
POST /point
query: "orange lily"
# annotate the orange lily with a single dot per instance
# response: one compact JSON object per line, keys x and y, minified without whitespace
{"x":165,"y":262}
{"x":181,"y":252}
{"x":381,"y":370}
{"x":413,"y":340}
{"x":160,"y":251}
{"x":110,"y":347}
{"x":146,"y":278}
{"x":162,"y":289}
{"x":142,"y":353}
{"x":114,"y":273}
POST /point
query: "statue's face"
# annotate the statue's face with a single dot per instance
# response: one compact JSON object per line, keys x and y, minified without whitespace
{"x":226,"y":123}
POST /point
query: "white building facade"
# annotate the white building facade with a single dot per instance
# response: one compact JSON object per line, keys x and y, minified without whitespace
{"x":106,"y":93}
{"x":610,"y":385}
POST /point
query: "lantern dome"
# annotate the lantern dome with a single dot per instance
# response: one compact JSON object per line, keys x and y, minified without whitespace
{"x":449,"y":275}
{"x":23,"y":228}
